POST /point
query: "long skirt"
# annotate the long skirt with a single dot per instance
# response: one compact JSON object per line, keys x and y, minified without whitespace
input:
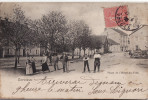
{"x":29,"y":69}
{"x":33,"y":67}
{"x":45,"y":67}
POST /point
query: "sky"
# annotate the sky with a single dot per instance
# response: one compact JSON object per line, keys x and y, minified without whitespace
{"x":91,"y":13}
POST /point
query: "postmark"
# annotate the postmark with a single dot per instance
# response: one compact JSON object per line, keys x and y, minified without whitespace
{"x":120,"y":17}
{"x":124,"y":21}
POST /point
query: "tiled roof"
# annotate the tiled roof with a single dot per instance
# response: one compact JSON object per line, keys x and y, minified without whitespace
{"x":112,"y":42}
{"x":139,"y":29}
{"x":119,"y":31}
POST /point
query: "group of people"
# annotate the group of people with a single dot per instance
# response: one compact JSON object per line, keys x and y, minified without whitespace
{"x":31,"y":68}
{"x":97,"y":58}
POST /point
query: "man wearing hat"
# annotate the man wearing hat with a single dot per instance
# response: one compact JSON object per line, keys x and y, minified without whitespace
{"x":85,"y":59}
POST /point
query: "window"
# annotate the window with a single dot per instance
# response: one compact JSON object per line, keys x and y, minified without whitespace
{"x":137,"y":47}
{"x":30,"y":50}
{"x":36,"y":51}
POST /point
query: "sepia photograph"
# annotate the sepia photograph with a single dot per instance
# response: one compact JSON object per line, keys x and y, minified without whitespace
{"x":73,"y":50}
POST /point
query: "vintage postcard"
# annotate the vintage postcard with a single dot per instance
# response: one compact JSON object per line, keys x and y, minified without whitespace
{"x":61,"y":50}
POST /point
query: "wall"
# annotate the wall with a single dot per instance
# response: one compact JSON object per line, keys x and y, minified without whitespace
{"x":117,"y":37}
{"x":33,"y":51}
{"x":10,"y":52}
{"x":87,"y":51}
{"x":113,"y":35}
{"x":140,"y":39}
{"x":114,"y":48}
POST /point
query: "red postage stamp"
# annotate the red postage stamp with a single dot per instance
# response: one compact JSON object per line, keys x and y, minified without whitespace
{"x":116,"y":16}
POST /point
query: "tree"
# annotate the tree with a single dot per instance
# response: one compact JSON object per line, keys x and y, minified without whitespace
{"x":92,"y":43}
{"x":73,"y":35}
{"x":53,"y":25}
{"x":15,"y":31}
{"x":79,"y":35}
{"x":84,"y":39}
{"x":95,"y":42}
{"x":39,"y":37}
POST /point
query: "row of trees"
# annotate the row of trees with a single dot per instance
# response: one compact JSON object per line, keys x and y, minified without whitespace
{"x":53,"y":32}
{"x":56,"y":33}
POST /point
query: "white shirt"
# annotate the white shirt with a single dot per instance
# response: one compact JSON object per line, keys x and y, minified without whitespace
{"x":44,"y":59}
{"x":86,"y":59}
{"x":97,"y":56}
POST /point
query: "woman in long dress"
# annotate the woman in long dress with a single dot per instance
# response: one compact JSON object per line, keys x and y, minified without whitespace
{"x":29,"y":70}
{"x":44,"y":64}
{"x":33,"y":64}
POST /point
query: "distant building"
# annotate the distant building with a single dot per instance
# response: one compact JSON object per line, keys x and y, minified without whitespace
{"x":119,"y":37}
{"x":108,"y":45}
{"x":8,"y":51}
{"x":139,"y":39}
{"x":78,"y":52}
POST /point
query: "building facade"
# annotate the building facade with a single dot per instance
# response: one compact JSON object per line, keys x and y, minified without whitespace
{"x":119,"y":37}
{"x":139,"y":39}
{"x":78,"y":52}
{"x":108,"y":45}
{"x":8,"y":51}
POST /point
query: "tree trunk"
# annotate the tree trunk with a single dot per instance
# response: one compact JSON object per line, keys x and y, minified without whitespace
{"x":51,"y":42}
{"x":73,"y":54}
{"x":16,"y":50}
{"x":18,"y":56}
{"x":63,"y":45}
{"x":45,"y":49}
{"x":80,"y":52}
{"x":84,"y":51}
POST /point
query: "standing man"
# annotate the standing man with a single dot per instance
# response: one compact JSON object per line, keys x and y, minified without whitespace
{"x":56,"y":59}
{"x":97,"y":57}
{"x":85,"y":59}
{"x":64,"y":58}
